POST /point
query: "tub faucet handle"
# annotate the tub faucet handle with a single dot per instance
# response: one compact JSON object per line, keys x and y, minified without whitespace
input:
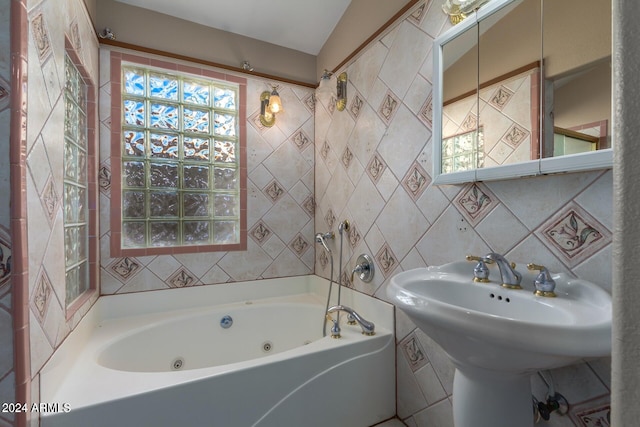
{"x":364,"y":268}
{"x":335,"y":329}
{"x":544,"y":284}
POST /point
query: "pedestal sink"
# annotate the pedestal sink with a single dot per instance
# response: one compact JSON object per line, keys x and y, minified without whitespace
{"x":498,"y":337}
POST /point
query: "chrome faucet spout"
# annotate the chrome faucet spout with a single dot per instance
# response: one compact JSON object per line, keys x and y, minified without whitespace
{"x":510,"y":277}
{"x":368,"y":328}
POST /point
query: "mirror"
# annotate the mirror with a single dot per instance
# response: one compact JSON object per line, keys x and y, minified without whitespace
{"x":523,"y":87}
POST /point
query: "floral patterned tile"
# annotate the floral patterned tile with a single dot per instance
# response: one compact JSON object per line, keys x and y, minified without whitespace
{"x":416,"y":181}
{"x":376,"y":167}
{"x":426,"y":112}
{"x":347,"y":157}
{"x":501,"y":97}
{"x":475,"y":201}
{"x":386,"y":260}
{"x":330,"y":218}
{"x":413,"y":352}
{"x":260,"y":233}
{"x":41,"y":36}
{"x":5,"y":256}
{"x":41,"y":296}
{"x":573,"y":234}
{"x":515,"y":135}
{"x":356,"y":106}
{"x":388,"y":107}
{"x":104,"y":179}
{"x":299,"y":245}
{"x":354,"y":236}
{"x":182,"y":278}
{"x":324,"y":150}
{"x":274,"y":191}
{"x":417,"y":16}
{"x":309,"y":101}
{"x":592,"y":413}
{"x":5,"y":89}
{"x":309,"y":205}
{"x":301,"y":140}
{"x":124,"y":268}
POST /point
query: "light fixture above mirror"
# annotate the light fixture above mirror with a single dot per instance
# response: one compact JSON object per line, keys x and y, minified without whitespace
{"x":270,"y":105}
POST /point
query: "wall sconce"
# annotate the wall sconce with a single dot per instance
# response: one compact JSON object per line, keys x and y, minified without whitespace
{"x":458,"y":10}
{"x":324,"y":90}
{"x":270,"y":105}
{"x":341,"y":91}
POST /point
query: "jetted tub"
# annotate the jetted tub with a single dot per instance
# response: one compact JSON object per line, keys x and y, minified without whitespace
{"x":165,"y":359}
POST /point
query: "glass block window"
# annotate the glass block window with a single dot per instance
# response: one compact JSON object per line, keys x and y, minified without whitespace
{"x":463,"y":152}
{"x":180,"y":160}
{"x":75,"y":198}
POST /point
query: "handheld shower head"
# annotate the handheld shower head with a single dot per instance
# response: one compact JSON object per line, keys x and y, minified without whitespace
{"x":320,"y":238}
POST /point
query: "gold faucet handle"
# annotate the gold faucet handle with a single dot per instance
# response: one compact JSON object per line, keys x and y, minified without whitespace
{"x":479,"y":258}
{"x":532,"y":266}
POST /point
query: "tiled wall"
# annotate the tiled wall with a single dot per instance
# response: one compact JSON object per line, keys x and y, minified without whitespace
{"x":50,"y":22}
{"x":373,"y":166}
{"x":7,"y":377}
{"x":280,"y":202}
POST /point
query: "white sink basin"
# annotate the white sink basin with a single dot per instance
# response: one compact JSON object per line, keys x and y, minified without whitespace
{"x":491,"y":332}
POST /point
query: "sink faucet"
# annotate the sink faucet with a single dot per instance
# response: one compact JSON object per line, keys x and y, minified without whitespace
{"x":510,"y":277}
{"x":368,"y":328}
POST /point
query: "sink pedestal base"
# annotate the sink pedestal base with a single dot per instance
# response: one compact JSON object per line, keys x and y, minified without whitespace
{"x":484,"y":398}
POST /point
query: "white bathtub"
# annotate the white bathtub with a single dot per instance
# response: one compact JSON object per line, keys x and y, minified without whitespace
{"x":163,"y":359}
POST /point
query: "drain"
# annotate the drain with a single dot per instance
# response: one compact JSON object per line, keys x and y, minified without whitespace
{"x":267,"y":346}
{"x":177,"y":364}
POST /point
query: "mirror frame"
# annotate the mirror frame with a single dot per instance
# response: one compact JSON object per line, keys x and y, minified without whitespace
{"x":601,"y":159}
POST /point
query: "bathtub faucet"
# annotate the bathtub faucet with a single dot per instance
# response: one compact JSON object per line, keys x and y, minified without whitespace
{"x":368,"y":328}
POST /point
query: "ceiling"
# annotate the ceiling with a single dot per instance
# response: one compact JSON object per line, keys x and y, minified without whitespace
{"x":302,"y":25}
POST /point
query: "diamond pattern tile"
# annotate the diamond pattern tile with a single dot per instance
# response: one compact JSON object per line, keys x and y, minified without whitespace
{"x":475,"y":201}
{"x":573,"y":234}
